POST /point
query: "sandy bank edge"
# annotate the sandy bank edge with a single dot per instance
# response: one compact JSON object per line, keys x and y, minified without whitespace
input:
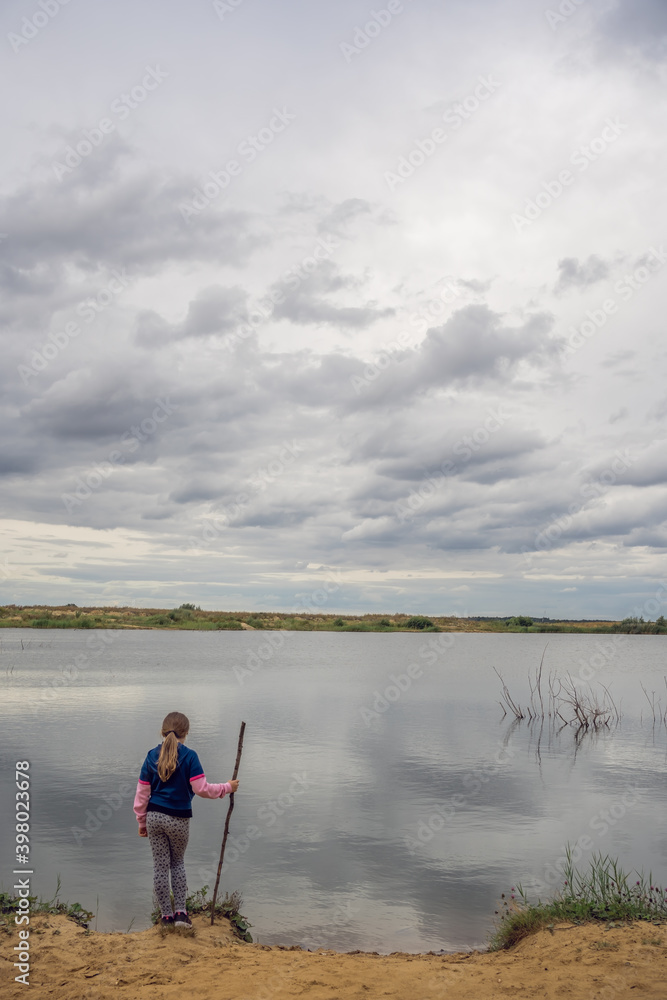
{"x":582,"y":963}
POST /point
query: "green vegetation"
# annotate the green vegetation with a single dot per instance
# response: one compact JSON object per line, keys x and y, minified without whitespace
{"x":521,"y":621}
{"x":639,"y":627}
{"x":190,"y":616}
{"x":197,"y":903}
{"x":604,"y":893}
{"x":9,"y":905}
{"x":229,"y":908}
{"x":418,"y":621}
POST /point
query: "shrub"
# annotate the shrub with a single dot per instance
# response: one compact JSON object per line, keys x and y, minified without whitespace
{"x":637,"y":626}
{"x":418,"y":621}
{"x":157,"y":620}
{"x":46,"y":622}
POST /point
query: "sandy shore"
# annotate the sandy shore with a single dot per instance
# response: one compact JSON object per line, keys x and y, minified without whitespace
{"x":580,"y":963}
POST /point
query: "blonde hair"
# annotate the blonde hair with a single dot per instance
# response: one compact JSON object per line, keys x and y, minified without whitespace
{"x":175,"y":727}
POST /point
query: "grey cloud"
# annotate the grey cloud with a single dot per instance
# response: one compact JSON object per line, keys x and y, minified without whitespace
{"x":98,"y":408}
{"x":13,"y":461}
{"x":652,"y":538}
{"x":306,"y":303}
{"x":158,"y":514}
{"x":373,"y":496}
{"x":196,"y":491}
{"x":301,"y":203}
{"x":283,"y":516}
{"x":24,"y":291}
{"x":447,"y":537}
{"x":214,"y":311}
{"x":304,"y":310}
{"x":639,"y":24}
{"x":16,"y":281}
{"x":618,"y":358}
{"x":473,"y":346}
{"x":130,"y":220}
{"x":606,"y":522}
{"x":104,"y":165}
{"x":650,"y":468}
{"x":463,"y":454}
{"x":573,"y":274}
{"x":337,"y":219}
{"x":496,"y":471}
{"x":597,"y":517}
{"x":659,"y":410}
{"x":479,"y":287}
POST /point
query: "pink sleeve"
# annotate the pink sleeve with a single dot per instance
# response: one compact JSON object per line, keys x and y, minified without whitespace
{"x":200,"y":786}
{"x":141,"y":801}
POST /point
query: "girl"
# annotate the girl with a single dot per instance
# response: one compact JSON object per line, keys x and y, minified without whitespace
{"x":170,"y":777}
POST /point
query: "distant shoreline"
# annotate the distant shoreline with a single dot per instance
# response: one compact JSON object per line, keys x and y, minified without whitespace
{"x":191,"y":618}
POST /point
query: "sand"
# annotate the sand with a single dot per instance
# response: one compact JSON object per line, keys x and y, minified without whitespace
{"x":578,"y":963}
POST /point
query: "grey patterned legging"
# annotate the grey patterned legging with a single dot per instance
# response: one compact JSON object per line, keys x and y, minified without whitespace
{"x":168,"y":837}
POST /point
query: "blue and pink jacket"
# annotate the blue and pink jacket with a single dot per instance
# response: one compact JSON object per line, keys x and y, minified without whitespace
{"x":173,"y":797}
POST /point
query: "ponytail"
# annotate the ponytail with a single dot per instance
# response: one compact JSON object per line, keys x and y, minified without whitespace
{"x":174,"y":728}
{"x":168,"y":758}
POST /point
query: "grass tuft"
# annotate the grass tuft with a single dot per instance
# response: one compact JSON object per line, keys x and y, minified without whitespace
{"x":229,"y":907}
{"x":9,"y":904}
{"x":602,"y":893}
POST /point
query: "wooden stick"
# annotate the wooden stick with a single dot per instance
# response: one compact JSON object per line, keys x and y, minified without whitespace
{"x":229,"y":813}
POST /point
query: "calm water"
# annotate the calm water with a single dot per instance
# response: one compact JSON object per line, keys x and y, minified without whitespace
{"x":381,"y":823}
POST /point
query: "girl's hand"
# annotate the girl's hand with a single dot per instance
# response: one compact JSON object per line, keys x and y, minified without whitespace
{"x":234,"y":785}
{"x":143,"y":832}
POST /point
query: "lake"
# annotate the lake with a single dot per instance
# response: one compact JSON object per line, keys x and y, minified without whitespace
{"x":385,"y":802}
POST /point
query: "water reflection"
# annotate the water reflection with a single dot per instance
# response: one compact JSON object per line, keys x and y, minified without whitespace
{"x":411,"y":823}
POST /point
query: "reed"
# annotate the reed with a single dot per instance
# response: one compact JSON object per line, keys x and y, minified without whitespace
{"x":577,"y":705}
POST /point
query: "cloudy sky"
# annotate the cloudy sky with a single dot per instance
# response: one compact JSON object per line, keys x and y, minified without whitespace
{"x":340,"y":304}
